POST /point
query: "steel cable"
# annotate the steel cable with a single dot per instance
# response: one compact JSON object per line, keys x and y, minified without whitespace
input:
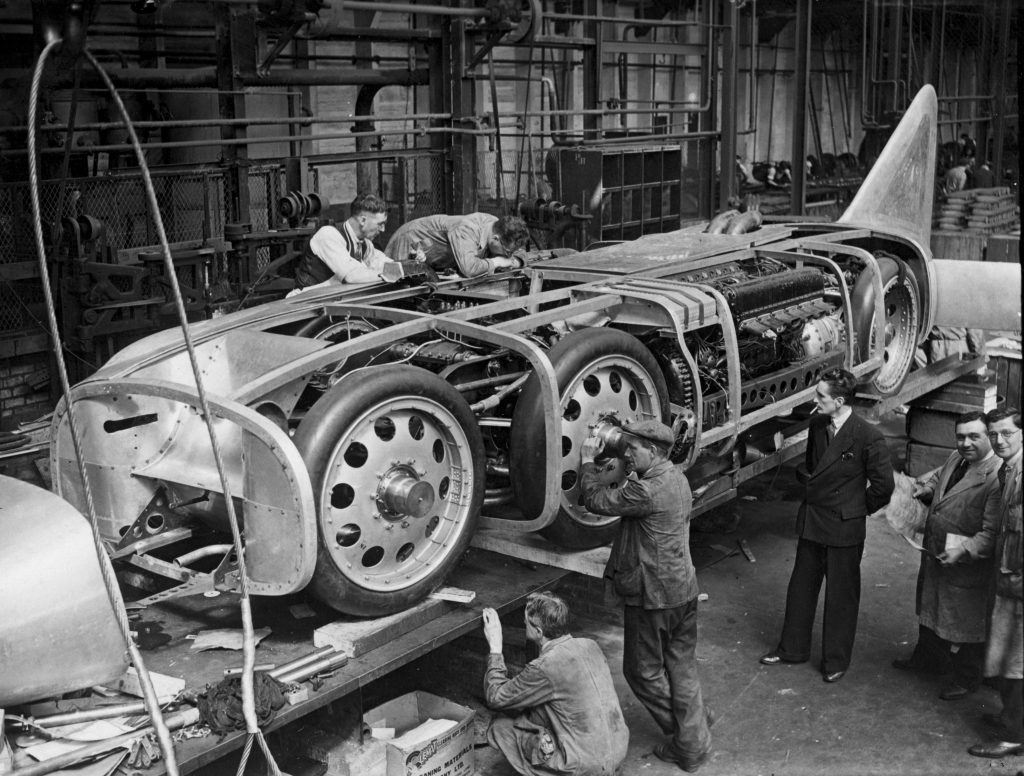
{"x":249,"y":644}
{"x":106,"y":570}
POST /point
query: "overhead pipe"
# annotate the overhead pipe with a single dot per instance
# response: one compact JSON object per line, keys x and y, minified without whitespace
{"x":164,"y":78}
{"x":200,"y":123}
{"x":429,"y":10}
{"x":217,"y":142}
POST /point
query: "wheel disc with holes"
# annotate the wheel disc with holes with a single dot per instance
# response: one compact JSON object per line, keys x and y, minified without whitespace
{"x":396,"y":462}
{"x":900,"y":303}
{"x":600,"y":372}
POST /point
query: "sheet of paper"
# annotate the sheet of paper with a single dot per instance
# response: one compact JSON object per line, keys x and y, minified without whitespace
{"x":955,"y":540}
{"x":905,"y":513}
{"x":431,"y":728}
{"x":92,"y":731}
{"x":224,"y":638}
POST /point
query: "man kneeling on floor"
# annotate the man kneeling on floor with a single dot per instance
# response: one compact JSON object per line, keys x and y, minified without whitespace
{"x":569,"y":718}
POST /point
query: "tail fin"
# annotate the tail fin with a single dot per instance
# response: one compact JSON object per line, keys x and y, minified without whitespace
{"x":898,"y":192}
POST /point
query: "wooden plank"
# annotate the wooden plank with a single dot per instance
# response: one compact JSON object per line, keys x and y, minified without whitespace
{"x":958,"y":405}
{"x":355,"y":636}
{"x":536,"y":549}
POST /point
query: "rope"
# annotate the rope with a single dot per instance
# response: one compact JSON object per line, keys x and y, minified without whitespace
{"x":249,"y":641}
{"x":106,"y":570}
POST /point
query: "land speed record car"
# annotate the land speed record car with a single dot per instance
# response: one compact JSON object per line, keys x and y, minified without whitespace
{"x":368,"y":431}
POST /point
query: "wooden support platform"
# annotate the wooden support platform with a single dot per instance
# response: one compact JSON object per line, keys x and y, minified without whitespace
{"x":872,"y":406}
{"x":500,"y":582}
{"x":534,"y":548}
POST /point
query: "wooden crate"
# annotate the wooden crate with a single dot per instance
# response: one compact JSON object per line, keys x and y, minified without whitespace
{"x":931,"y":427}
{"x":1002,"y":247}
{"x":1007,"y":367}
{"x":961,"y":246}
{"x":924,"y":458}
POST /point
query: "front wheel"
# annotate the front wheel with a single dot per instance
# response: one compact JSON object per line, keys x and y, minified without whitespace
{"x":396,"y":461}
{"x":600,"y":372}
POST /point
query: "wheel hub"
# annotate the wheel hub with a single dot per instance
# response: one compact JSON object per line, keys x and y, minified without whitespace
{"x":402,"y":494}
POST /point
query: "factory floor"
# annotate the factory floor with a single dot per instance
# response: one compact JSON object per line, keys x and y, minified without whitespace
{"x":785,"y":720}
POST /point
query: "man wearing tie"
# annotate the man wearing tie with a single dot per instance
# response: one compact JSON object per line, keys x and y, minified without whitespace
{"x":1004,"y":653}
{"x":847,"y":475}
{"x":346,"y":254}
{"x":956,"y":566}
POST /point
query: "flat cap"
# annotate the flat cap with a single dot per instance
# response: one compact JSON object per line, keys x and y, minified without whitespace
{"x":651,"y":430}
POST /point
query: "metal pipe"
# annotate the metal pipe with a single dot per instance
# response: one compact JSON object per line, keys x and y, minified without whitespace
{"x":638,"y":140}
{"x":302,"y":673}
{"x":623,"y":20}
{"x":500,"y":469}
{"x":169,"y":78}
{"x":299,"y":662}
{"x":88,"y":715}
{"x":488,"y":382}
{"x":270,"y":139}
{"x":498,"y":496}
{"x":194,"y":123}
{"x":798,"y":189}
{"x":203,"y":552}
{"x":430,"y":10}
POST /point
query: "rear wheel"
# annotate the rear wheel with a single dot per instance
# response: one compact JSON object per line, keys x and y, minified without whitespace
{"x":901,"y":310}
{"x":396,"y":461}
{"x":600,"y":372}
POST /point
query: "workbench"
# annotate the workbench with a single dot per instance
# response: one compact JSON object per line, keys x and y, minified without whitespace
{"x":499,"y":582}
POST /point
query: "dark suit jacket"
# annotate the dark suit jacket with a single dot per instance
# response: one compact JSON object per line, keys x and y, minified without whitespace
{"x":844,"y":481}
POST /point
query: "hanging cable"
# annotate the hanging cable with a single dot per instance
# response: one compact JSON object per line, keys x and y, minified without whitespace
{"x":498,"y":161}
{"x":106,"y":570}
{"x":249,"y":641}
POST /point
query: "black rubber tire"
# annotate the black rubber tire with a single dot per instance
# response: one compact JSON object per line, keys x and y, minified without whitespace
{"x":902,"y":303}
{"x":331,"y":423}
{"x":528,"y":463}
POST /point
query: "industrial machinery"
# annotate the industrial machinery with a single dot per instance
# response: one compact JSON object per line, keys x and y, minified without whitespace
{"x":368,"y":431}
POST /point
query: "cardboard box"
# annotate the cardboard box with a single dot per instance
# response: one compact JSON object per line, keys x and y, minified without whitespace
{"x":448,"y":754}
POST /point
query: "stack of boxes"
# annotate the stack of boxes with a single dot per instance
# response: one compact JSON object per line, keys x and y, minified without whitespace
{"x":986,"y":211}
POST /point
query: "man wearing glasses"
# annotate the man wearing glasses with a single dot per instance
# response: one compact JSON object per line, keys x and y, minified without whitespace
{"x":472,"y":245}
{"x":847,"y":475}
{"x":1004,"y":658}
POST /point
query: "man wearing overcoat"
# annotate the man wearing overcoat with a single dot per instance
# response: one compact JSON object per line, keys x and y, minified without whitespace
{"x":847,"y":475}
{"x":1004,"y":651}
{"x":956,"y":565}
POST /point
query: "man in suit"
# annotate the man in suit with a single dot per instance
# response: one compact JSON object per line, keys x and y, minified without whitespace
{"x":959,"y":535}
{"x":847,"y":475}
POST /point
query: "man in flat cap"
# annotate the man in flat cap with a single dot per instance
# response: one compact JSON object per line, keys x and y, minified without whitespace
{"x":651,"y":569}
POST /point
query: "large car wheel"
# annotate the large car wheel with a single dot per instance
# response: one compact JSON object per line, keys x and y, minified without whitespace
{"x":599,"y":372}
{"x":396,"y":461}
{"x":901,"y":309}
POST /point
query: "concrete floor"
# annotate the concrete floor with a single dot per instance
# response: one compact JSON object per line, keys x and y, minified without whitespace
{"x":785,"y":720}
